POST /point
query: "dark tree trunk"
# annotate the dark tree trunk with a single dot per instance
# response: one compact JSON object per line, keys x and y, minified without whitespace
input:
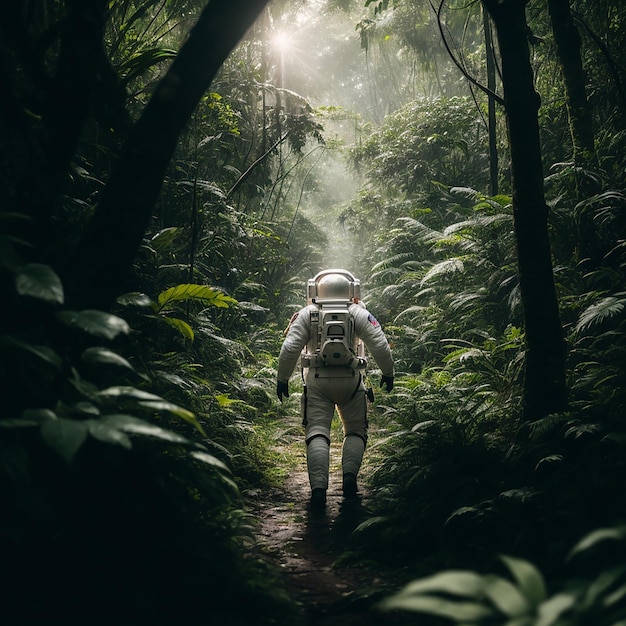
{"x":567,"y":41}
{"x":51,"y":146}
{"x":544,"y":384}
{"x":491,"y":113}
{"x":95,"y":274}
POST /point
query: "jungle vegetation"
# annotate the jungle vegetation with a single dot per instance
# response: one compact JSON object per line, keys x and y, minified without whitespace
{"x":171,"y":176}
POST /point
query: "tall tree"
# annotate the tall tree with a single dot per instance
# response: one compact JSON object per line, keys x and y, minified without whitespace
{"x":567,"y":41}
{"x":97,"y":270}
{"x":544,"y":384}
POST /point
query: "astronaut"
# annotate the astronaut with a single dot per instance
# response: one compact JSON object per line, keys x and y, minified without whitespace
{"x":331,"y":378}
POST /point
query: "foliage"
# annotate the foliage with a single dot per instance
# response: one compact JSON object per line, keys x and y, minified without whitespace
{"x":467,"y":597}
{"x":72,"y":470}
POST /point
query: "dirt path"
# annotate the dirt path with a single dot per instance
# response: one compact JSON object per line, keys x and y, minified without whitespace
{"x":306,"y":547}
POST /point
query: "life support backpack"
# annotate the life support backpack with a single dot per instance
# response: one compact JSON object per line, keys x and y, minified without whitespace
{"x":333,"y":341}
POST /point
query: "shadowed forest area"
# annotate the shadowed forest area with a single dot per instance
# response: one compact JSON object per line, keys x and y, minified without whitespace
{"x":174,"y":171}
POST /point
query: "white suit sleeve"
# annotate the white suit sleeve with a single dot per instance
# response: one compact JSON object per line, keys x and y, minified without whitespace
{"x":297,"y":337}
{"x":369,"y":330}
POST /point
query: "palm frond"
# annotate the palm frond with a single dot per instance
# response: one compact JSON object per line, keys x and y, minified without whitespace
{"x":449,"y":266}
{"x":600,"y":311}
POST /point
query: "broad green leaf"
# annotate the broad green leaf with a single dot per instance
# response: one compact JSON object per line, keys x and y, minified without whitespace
{"x":29,"y":418}
{"x":529,"y":579}
{"x":106,"y":357}
{"x":602,"y":534}
{"x":209,"y":459}
{"x":97,"y":323}
{"x":182,"y":327}
{"x":206,"y":294}
{"x":442,"y":607}
{"x":615,"y":597}
{"x":455,"y":582}
{"x":65,"y":436}
{"x":169,"y":407}
{"x":551,"y":610}
{"x":106,"y":433}
{"x":44,"y":353}
{"x":164,"y":237}
{"x":600,"y":585}
{"x":39,"y":281}
{"x":506,"y":597}
{"x":136,"y":426}
{"x":122,"y":391}
{"x":39,"y":415}
{"x":135,"y":298}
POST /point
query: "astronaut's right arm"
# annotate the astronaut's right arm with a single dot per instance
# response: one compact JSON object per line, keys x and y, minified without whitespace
{"x":297,"y":337}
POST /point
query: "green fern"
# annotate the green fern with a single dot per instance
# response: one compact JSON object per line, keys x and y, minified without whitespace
{"x":605,"y":309}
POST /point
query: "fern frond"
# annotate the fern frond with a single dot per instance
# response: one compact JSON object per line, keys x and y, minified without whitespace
{"x":599,"y":311}
{"x":449,"y":266}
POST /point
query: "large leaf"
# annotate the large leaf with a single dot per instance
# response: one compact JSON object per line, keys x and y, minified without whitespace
{"x":136,"y":426}
{"x":105,"y":357}
{"x":48,"y":355}
{"x":465,"y":612}
{"x":122,"y":391}
{"x":551,"y":610}
{"x":164,"y":238}
{"x":506,"y":597}
{"x":39,"y":281}
{"x":97,"y":323}
{"x":65,"y":436}
{"x":134,"y":298}
{"x":528,"y":577}
{"x":108,"y":433}
{"x":181,"y":326}
{"x":455,"y":582}
{"x":597,"y":536}
{"x":207,"y":295}
{"x":209,"y":459}
{"x":169,"y":407}
{"x":28,"y":418}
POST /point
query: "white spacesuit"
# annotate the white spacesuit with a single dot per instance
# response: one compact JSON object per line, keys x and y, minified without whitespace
{"x":333,"y":295}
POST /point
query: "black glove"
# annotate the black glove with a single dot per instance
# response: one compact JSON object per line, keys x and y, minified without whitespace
{"x":282,"y":389}
{"x":386,"y":380}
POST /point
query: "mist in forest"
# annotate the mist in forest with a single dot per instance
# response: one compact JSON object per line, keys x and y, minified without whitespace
{"x":354,"y":71}
{"x":318,"y":55}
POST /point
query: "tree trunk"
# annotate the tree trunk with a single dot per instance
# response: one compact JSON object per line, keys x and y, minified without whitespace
{"x":491,"y":105}
{"x":544,"y":383}
{"x":567,"y":41}
{"x":95,"y":274}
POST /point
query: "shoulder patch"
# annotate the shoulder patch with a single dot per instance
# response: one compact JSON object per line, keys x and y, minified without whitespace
{"x":291,"y":321}
{"x":372,"y":320}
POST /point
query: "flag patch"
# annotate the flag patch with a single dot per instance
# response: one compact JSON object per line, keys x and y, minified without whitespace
{"x":372,"y":320}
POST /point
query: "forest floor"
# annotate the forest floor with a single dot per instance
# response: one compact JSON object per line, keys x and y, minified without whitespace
{"x":312,"y":550}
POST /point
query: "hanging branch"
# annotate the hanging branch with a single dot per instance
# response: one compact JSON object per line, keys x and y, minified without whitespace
{"x":246,"y":174}
{"x":468,"y":76}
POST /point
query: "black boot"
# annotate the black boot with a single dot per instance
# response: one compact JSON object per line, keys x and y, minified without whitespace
{"x":318,"y":499}
{"x":349,"y":486}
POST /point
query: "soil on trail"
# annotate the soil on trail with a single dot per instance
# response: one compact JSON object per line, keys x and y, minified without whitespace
{"x":309,"y":548}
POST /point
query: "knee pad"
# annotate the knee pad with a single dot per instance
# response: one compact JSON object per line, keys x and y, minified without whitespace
{"x":315,"y":436}
{"x":359,"y":435}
